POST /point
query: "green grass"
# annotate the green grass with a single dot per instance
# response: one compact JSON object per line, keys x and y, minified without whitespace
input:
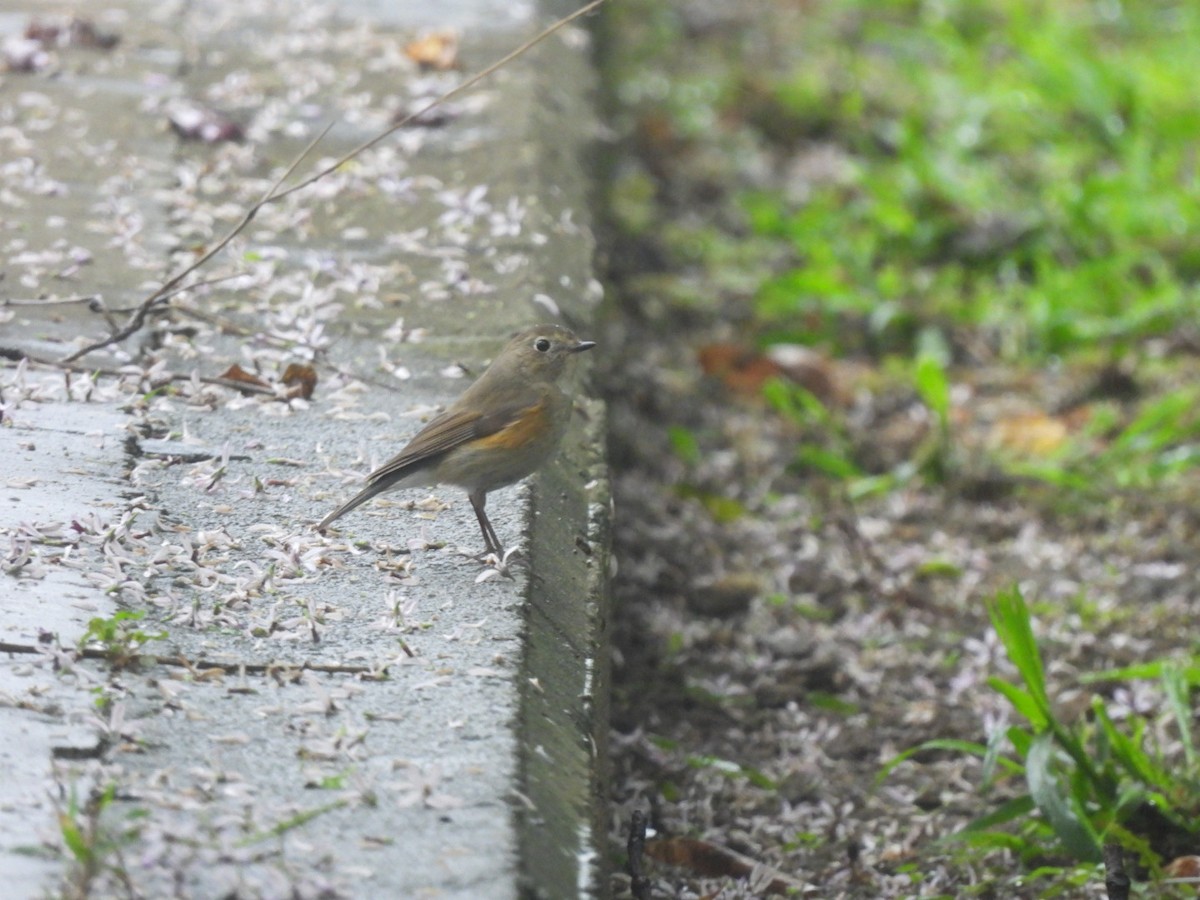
{"x":94,"y":841}
{"x":1133,"y":781}
{"x":987,"y":184}
{"x":1020,"y":171}
{"x":119,"y":636}
{"x":1026,"y":167}
{"x":1152,"y":446}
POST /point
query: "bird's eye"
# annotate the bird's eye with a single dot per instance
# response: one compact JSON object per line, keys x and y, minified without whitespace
{"x":541,"y":345}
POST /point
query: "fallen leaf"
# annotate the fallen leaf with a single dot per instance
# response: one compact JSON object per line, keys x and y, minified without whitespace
{"x":234,"y":740}
{"x":744,"y":370}
{"x":434,"y":50}
{"x":714,"y":861}
{"x":1030,"y":434}
{"x":806,"y":367}
{"x":1183,"y":867}
{"x":239,"y":375}
{"x":301,"y":379}
{"x":443,"y":801}
{"x":728,"y":595}
{"x":415,"y":115}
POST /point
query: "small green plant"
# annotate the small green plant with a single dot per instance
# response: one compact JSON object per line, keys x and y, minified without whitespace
{"x":685,"y":444}
{"x":731,"y":769}
{"x":933,"y":386}
{"x":1158,"y":445}
{"x":1085,"y":783}
{"x":828,"y":450}
{"x":299,"y":820}
{"x":119,"y":637}
{"x":94,"y":847}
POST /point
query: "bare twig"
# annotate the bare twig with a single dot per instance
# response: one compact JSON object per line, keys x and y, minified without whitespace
{"x":274,"y":194}
{"x":246,"y":387}
{"x":166,"y":292}
{"x":639,"y":884}
{"x":89,"y":299}
{"x":165,"y":378}
{"x":139,"y":313}
{"x":173,"y":285}
{"x":95,"y":303}
{"x":183,"y":662}
{"x":1116,"y":880}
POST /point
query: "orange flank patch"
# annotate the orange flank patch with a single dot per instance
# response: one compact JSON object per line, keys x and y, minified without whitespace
{"x":525,"y":429}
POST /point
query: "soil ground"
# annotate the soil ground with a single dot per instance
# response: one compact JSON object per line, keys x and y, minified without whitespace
{"x":779,"y":642}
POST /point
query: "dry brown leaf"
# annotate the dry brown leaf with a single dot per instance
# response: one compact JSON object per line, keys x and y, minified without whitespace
{"x":1183,"y":867}
{"x":744,"y":370}
{"x":714,"y":861}
{"x":301,"y":379}
{"x":1030,"y":434}
{"x":434,"y":50}
{"x":237,"y":374}
{"x":412,"y":117}
{"x":813,"y":371}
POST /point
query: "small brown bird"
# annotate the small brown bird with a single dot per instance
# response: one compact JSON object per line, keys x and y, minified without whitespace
{"x":501,"y":429}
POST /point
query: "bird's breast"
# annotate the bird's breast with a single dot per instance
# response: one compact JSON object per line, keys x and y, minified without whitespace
{"x":510,"y":453}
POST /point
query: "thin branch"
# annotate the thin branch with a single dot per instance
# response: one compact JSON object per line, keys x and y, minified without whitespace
{"x":235,"y":668}
{"x":246,"y":387}
{"x":164,"y":293}
{"x":50,"y":301}
{"x":138,"y":318}
{"x":449,"y":95}
{"x":635,"y":847}
{"x":16,"y":355}
{"x":95,"y":303}
{"x":1117,"y":883}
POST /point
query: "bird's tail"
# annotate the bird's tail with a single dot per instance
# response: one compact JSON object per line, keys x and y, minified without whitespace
{"x":361,"y":497}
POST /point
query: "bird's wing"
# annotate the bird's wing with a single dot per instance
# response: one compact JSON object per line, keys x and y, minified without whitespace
{"x":451,"y":429}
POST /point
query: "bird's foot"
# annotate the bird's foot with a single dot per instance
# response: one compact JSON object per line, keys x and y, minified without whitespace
{"x":500,"y":563}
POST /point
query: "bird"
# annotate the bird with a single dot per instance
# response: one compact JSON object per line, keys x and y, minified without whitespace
{"x":502,"y":428}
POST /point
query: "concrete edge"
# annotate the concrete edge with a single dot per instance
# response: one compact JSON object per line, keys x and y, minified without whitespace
{"x":564,"y":686}
{"x":562,"y":813}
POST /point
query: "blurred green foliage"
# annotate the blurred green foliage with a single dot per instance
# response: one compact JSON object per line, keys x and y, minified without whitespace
{"x":904,"y":180}
{"x":1025,"y":166}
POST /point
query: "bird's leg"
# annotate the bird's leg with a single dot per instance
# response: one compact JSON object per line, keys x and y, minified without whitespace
{"x":492,"y":543}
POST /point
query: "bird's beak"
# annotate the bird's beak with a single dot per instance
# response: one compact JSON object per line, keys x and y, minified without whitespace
{"x":583,"y":345}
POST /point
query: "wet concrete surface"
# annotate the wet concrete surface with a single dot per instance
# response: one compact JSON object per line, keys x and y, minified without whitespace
{"x":368,"y":713}
{"x":62,"y":465}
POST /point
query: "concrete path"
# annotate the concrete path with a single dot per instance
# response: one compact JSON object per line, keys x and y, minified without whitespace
{"x":365,"y":714}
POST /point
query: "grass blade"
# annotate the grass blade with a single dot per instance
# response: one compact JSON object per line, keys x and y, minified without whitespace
{"x":1010,"y":617}
{"x":1178,"y":691}
{"x":1062,"y":812}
